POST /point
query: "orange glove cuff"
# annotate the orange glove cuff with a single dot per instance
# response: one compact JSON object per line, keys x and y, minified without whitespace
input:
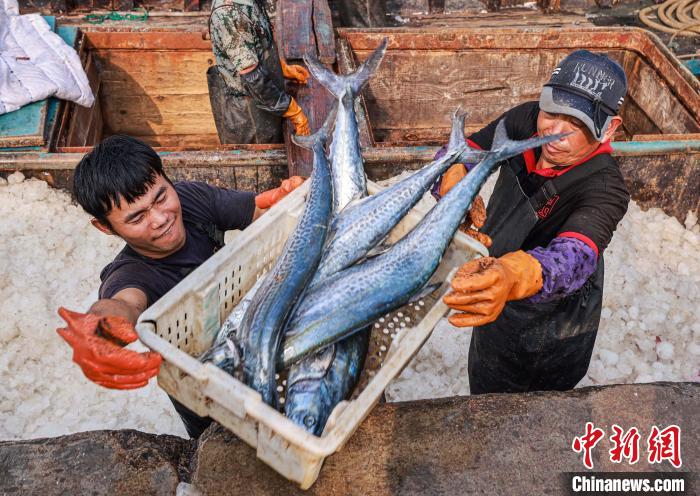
{"x":296,"y":115}
{"x":268,"y":198}
{"x":526,"y":273}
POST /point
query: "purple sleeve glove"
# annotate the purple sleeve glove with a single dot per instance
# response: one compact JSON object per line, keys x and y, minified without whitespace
{"x":567,"y":263}
{"x":435,"y":188}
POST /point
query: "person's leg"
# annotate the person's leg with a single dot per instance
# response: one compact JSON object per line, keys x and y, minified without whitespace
{"x":562,"y":367}
{"x":194,"y":424}
{"x":493,"y":365}
{"x":237,"y":119}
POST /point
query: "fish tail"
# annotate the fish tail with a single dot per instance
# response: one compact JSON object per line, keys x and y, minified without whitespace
{"x":457,"y":141}
{"x":339,"y":84}
{"x":359,"y":78}
{"x":321,"y":136}
{"x":504,"y":147}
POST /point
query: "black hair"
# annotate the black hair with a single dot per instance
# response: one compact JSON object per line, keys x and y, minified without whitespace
{"x":118,"y":167}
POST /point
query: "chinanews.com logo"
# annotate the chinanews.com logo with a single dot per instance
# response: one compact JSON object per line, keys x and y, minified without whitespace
{"x":662,"y":445}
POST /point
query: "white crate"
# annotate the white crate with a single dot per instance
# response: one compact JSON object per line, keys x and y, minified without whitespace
{"x":183,"y":323}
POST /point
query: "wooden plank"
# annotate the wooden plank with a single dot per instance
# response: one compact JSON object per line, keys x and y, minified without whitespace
{"x":655,"y":100}
{"x":166,"y":72}
{"x":148,"y":40}
{"x":323,"y":30}
{"x":165,"y":114}
{"x":83,"y":119}
{"x":189,"y":141}
{"x":296,"y":26}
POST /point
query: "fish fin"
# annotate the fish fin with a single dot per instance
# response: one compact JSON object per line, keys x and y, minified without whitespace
{"x":457,"y":133}
{"x":382,"y":247}
{"x":312,"y":367}
{"x":328,"y":79}
{"x":359,"y":78}
{"x":504,"y":148}
{"x":321,"y":136}
{"x":424,"y":291}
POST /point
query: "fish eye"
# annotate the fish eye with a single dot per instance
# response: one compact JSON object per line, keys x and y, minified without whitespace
{"x":309,"y":421}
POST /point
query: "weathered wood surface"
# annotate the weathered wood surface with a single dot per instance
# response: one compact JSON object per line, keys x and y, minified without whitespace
{"x":663,"y":180}
{"x":427,"y":73}
{"x":515,"y":444}
{"x":295,"y":29}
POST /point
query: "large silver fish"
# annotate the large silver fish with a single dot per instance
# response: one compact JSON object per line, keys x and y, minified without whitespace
{"x":262,"y":327}
{"x":325,"y":379}
{"x":349,"y":180}
{"x":223,"y":352}
{"x":352,"y":298}
{"x":362,"y":225}
{"x":317,"y":383}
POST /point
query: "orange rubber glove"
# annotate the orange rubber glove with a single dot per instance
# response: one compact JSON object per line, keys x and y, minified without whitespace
{"x":268,"y":198}
{"x":452,"y":176}
{"x":293,"y":72}
{"x":98,"y":343}
{"x":297,"y":117}
{"x":482,"y":287}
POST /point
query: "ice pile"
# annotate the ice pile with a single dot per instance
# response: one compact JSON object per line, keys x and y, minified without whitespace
{"x":649,"y":330}
{"x":52,"y":256}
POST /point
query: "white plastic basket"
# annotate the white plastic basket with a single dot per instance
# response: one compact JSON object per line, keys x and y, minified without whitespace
{"x":183,"y":323}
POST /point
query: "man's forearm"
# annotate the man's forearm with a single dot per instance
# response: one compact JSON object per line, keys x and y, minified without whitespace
{"x":117,"y":308}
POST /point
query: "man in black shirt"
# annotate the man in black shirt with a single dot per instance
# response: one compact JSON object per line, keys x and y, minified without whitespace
{"x":536,"y":302}
{"x":169,"y":230}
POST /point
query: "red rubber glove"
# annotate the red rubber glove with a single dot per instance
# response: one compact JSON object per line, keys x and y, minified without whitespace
{"x":268,"y":198}
{"x":98,"y":343}
{"x":482,"y":287}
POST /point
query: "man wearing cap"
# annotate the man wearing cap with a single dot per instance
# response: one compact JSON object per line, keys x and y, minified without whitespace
{"x":535,"y":303}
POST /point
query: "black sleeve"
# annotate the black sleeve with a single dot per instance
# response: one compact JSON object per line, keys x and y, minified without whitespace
{"x":226,"y":208}
{"x":127,"y":276}
{"x":598,"y":212}
{"x":521,"y":123}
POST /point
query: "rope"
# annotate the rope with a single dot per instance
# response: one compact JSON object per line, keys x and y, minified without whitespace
{"x":116,"y":16}
{"x":676,"y":17}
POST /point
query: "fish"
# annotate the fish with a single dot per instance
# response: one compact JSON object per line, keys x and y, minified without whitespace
{"x":349,"y":179}
{"x":327,"y":378}
{"x":319,"y":382}
{"x":362,"y":225}
{"x":262,"y":327}
{"x":223,"y":352}
{"x":354,"y":297}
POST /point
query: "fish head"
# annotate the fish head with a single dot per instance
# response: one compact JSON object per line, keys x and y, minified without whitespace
{"x":305,"y":409}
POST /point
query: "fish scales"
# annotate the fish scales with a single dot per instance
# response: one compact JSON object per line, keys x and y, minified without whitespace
{"x":354,"y":297}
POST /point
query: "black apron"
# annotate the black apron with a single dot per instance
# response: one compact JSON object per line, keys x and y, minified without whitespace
{"x":238,"y":119}
{"x":542,"y":346}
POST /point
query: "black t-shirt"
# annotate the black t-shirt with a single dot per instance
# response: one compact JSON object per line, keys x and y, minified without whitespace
{"x":589,"y":211}
{"x":203,"y":206}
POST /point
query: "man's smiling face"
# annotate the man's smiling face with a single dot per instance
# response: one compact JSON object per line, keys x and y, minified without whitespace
{"x":152,"y":225}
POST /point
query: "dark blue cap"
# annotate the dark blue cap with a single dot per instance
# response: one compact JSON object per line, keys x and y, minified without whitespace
{"x":588,"y":86}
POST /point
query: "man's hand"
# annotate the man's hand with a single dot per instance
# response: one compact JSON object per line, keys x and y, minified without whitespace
{"x":98,"y":343}
{"x":268,"y":198}
{"x":482,"y":287}
{"x":297,"y":118}
{"x":294,"y":72}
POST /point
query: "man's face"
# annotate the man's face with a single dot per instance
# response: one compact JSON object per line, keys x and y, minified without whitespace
{"x":152,"y":225}
{"x":570,"y":149}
